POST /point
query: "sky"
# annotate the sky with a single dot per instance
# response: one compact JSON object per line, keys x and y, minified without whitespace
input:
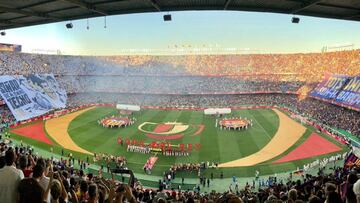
{"x":204,"y":31}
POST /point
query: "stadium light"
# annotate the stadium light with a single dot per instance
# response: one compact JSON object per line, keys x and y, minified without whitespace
{"x":167,"y":17}
{"x":69,"y":25}
{"x":295,"y":20}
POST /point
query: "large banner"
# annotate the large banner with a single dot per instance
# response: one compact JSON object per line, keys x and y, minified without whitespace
{"x":32,"y":95}
{"x":330,"y":87}
{"x":350,"y":95}
{"x":10,"y":47}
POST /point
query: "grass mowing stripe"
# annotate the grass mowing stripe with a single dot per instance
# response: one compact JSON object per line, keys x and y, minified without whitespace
{"x":258,"y":124}
{"x":92,"y":116}
{"x":227,"y":139}
{"x":270,"y":123}
{"x":191,"y":118}
{"x":208,"y":139}
{"x":258,"y":129}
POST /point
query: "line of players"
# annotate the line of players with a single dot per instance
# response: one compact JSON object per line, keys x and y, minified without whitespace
{"x":147,"y":150}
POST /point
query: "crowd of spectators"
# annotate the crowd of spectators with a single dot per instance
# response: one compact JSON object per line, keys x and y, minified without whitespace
{"x":109,"y":160}
{"x":305,"y":66}
{"x":174,"y":84}
{"x":27,"y":177}
{"x":309,"y":64}
{"x":6,"y":118}
{"x":185,"y":167}
{"x":188,"y":74}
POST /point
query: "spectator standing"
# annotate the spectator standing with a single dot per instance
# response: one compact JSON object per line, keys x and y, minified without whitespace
{"x":10,"y":178}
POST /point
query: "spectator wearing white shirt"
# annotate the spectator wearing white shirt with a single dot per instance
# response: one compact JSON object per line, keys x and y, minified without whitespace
{"x":10,"y":177}
{"x":43,"y":179}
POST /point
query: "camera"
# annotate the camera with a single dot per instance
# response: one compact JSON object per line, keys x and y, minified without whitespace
{"x":125,"y":171}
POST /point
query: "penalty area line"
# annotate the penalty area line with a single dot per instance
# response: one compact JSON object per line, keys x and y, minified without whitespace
{"x":267,"y":134}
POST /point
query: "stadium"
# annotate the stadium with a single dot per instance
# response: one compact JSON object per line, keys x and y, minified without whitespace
{"x":180,"y":124}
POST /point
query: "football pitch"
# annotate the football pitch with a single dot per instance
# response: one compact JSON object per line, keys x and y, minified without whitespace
{"x":274,"y":143}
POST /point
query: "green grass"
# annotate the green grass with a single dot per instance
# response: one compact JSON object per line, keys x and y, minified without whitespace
{"x":216,"y":145}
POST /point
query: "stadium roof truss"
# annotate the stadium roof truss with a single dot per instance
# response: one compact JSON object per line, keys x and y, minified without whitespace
{"x":21,"y":13}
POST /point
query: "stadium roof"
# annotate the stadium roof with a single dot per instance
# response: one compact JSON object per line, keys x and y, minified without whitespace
{"x":21,"y":13}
